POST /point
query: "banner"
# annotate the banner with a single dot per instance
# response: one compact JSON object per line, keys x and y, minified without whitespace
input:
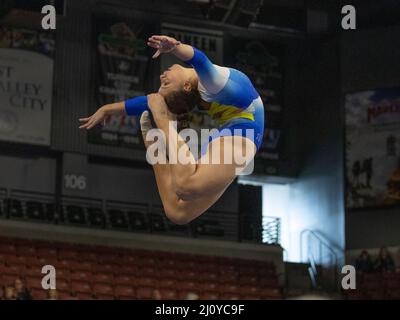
{"x":373,"y":148}
{"x":211,"y":42}
{"x":122,"y":71}
{"x":262,"y":62}
{"x":26,"y":84}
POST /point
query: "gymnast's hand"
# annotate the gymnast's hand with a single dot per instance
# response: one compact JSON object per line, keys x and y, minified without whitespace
{"x":163,"y":44}
{"x":100,"y":116}
{"x":159,"y":109}
{"x":103,"y":115}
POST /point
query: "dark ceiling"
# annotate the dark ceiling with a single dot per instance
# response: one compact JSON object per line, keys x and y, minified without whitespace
{"x":307,"y":16}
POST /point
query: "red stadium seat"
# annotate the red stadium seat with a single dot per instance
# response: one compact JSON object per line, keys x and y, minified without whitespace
{"x":207,"y":276}
{"x":124,"y":280}
{"x":65,"y":295}
{"x":250,"y":297}
{"x":80,"y":287}
{"x":393,"y":294}
{"x":126,"y":270}
{"x":82,"y":266}
{"x":144,"y":293}
{"x":355,"y":295}
{"x":109,"y":258}
{"x":63,"y":285}
{"x":46,"y":252}
{"x":31,"y":261}
{"x":125,"y":292}
{"x":16,"y":261}
{"x":84,"y":296}
{"x":3,"y":269}
{"x":392,"y":281}
{"x":167,"y":283}
{"x":207,"y":268}
{"x":103,"y":289}
{"x":62,"y":273}
{"x":146,"y":282}
{"x":170,"y":273}
{"x":248,"y":280}
{"x":102,"y":278}
{"x":183,"y":294}
{"x":270,"y":293}
{"x":87,"y":256}
{"x":270,"y":282}
{"x":128,"y":259}
{"x":7,"y":280}
{"x":5,"y":257}
{"x":26,"y":250}
{"x":8,"y":248}
{"x":209,"y":287}
{"x":168,"y":294}
{"x":81,"y":276}
{"x":209,"y":296}
{"x":376,"y":294}
{"x":139,"y":261}
{"x":167,"y":263}
{"x":42,"y":261}
{"x":148,"y":272}
{"x":67,"y":254}
{"x":11,"y":270}
{"x":228,"y":277}
{"x":249,"y":290}
{"x":190,"y":285}
{"x":189,"y":275}
{"x":188,"y":266}
{"x":38,"y":294}
{"x":229,"y":288}
{"x":104,"y":297}
{"x":228,"y":269}
{"x":33,"y":282}
{"x":230,"y":296}
{"x":70,"y":264}
{"x":104,"y":268}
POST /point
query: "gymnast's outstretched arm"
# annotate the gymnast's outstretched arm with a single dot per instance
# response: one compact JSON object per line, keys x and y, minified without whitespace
{"x":131,"y":107}
{"x":212,"y":80}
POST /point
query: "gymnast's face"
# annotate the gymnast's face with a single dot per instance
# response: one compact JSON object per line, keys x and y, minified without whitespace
{"x":172,"y":80}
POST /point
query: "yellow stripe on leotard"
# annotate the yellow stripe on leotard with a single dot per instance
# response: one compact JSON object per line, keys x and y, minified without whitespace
{"x":221,"y":113}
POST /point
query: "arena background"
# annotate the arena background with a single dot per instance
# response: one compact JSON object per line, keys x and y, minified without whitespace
{"x":95,"y":192}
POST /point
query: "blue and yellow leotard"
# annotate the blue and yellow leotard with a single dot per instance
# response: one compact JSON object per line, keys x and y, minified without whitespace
{"x":235,"y":104}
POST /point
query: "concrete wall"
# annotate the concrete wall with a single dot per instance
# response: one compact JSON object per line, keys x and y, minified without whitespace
{"x":316,"y":197}
{"x":370,"y":60}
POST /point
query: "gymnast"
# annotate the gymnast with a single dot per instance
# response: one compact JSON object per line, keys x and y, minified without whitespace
{"x":227,"y":95}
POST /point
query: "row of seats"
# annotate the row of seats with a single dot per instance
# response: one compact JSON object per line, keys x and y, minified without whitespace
{"x":145,"y":290}
{"x":95,"y":272}
{"x":124,"y":220}
{"x":139,"y":277}
{"x":37,"y":252}
{"x":376,"y":286}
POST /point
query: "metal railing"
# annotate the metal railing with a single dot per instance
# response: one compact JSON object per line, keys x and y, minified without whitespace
{"x":114,"y":215}
{"x":271,"y":230}
{"x":323,"y":260}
